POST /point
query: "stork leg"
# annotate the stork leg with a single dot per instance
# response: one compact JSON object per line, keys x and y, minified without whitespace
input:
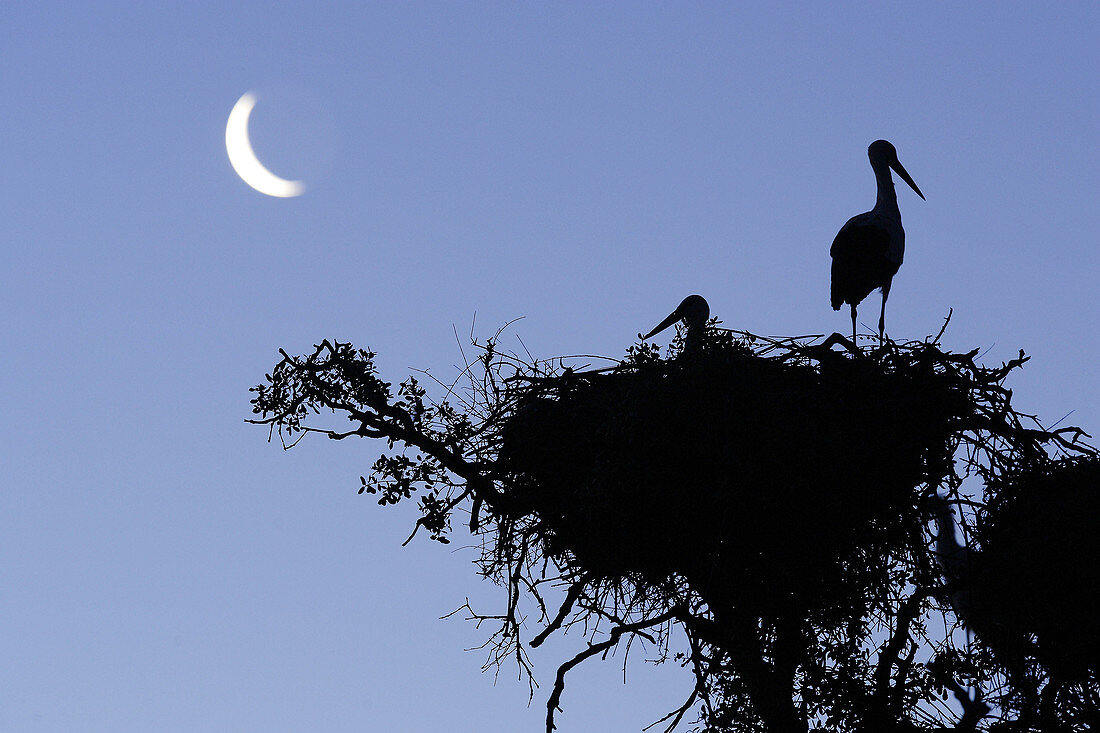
{"x":853,"y":324}
{"x":882,"y":314}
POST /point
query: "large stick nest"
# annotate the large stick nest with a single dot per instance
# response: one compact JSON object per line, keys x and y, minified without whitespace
{"x":783,"y":482}
{"x":1035,"y":574}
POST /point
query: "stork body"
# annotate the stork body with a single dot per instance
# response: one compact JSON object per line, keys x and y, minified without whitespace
{"x":869,"y":248}
{"x":694,"y":312}
{"x":954,"y":559}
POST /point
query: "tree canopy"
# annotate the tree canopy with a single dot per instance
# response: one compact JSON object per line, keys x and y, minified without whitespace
{"x":773,"y":500}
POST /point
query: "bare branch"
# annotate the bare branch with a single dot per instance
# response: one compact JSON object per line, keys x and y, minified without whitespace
{"x":596,"y":649}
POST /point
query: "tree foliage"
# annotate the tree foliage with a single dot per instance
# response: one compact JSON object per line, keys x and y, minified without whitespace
{"x":767,"y":500}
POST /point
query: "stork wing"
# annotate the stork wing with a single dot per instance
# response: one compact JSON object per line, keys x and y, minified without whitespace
{"x":861,"y":262}
{"x":860,"y":239}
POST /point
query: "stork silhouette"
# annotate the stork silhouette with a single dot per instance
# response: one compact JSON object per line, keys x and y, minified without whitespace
{"x":694,"y":312}
{"x":953,"y":558}
{"x":868,"y":249}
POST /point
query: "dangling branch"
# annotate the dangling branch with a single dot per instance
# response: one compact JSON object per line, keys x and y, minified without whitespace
{"x":571,"y":597}
{"x":595,"y":649}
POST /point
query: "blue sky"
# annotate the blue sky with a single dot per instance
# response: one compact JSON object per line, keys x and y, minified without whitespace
{"x":584,"y":166}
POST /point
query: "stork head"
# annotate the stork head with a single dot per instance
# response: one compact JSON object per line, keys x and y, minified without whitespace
{"x":693,"y":311}
{"x":882,"y":152}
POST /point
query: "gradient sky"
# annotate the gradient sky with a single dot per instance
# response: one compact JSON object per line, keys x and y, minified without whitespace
{"x":585,"y":166}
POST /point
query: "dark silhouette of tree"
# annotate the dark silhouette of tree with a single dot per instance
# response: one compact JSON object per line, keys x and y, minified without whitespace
{"x":771,"y":500}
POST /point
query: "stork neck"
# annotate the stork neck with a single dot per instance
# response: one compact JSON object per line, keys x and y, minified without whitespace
{"x":946,"y":542}
{"x":693,"y":339}
{"x":887,"y":201}
{"x":952,"y":557}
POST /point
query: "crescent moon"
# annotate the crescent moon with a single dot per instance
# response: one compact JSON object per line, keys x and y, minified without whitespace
{"x":244,"y":160}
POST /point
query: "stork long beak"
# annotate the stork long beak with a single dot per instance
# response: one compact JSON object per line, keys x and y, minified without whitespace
{"x":672,"y":318}
{"x":900,"y":170}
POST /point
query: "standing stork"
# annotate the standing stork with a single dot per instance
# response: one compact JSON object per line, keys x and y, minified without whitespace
{"x":694,"y":312}
{"x":868,"y":249}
